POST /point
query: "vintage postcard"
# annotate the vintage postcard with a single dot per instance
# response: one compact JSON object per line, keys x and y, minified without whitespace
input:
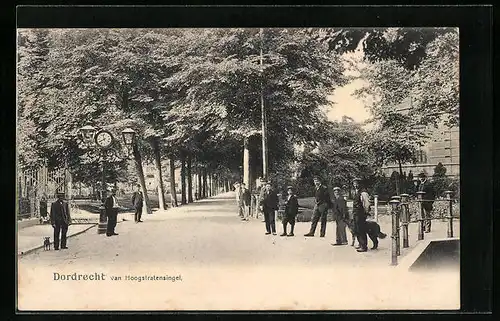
{"x":238,"y":169}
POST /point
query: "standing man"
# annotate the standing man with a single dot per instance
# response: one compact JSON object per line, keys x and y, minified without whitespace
{"x":340,"y":215}
{"x":111,"y":206}
{"x":245,"y":201}
{"x":323,"y":202}
{"x":237,"y":190}
{"x":137,"y":201}
{"x":60,"y":220}
{"x":291,"y":210}
{"x":262,"y":194}
{"x":429,"y":197}
{"x":360,"y":210}
{"x":270,"y":204}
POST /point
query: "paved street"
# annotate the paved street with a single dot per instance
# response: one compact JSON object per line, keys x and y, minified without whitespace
{"x":225,"y":263}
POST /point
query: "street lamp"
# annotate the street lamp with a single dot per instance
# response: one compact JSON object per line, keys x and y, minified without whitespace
{"x":128,"y":135}
{"x":101,"y":140}
{"x":87,"y":134}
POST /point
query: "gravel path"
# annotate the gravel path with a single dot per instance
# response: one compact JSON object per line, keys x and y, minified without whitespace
{"x":223,"y":263}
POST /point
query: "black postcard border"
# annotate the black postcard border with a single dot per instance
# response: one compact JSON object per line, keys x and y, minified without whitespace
{"x":476,"y":130}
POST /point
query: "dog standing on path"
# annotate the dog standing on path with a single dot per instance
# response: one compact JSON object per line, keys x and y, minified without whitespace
{"x":373,"y":231}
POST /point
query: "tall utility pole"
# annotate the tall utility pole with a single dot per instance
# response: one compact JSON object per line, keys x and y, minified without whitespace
{"x":263,"y":111}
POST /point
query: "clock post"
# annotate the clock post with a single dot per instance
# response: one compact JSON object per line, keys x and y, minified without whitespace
{"x":103,"y":139}
{"x":103,"y":221}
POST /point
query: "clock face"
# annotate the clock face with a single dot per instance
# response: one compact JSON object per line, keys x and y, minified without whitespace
{"x":104,"y":139}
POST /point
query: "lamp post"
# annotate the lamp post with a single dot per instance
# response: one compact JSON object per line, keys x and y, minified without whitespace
{"x":102,"y":140}
{"x":88,"y":134}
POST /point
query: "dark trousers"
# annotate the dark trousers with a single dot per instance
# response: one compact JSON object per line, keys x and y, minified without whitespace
{"x":288,"y":219}
{"x":138,"y":213}
{"x":361,"y":230}
{"x":112,"y":215}
{"x":340,"y":231}
{"x":270,"y":220}
{"x":60,"y":228}
{"x":320,"y":213}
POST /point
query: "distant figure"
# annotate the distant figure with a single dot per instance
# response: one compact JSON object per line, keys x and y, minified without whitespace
{"x":43,"y":206}
{"x":238,"y":198}
{"x":291,"y":210}
{"x":245,"y":200}
{"x":341,"y":216}
{"x":137,"y":201}
{"x":60,"y":220}
{"x":270,"y":204}
{"x":430,"y":195}
{"x":111,"y":206}
{"x":323,"y":202}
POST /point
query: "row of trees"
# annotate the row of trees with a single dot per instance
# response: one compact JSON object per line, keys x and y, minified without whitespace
{"x":193,"y":95}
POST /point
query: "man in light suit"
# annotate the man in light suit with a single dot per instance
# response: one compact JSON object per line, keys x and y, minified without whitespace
{"x":60,"y":220}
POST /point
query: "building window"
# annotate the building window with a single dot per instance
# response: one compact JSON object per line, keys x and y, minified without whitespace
{"x":421,"y":157}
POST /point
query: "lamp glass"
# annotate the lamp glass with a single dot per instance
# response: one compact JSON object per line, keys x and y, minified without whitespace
{"x":128,"y":136}
{"x":87,"y":133}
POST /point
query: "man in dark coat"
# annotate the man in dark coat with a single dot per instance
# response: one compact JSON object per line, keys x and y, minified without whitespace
{"x":323,"y":203}
{"x":360,"y":210}
{"x":340,"y":215}
{"x":270,"y":204}
{"x":426,"y":186}
{"x":60,"y":220}
{"x":137,"y":200}
{"x":291,"y":210}
{"x":111,"y":206}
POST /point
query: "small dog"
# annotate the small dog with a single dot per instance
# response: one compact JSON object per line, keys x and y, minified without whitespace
{"x":46,"y":243}
{"x":373,"y":231}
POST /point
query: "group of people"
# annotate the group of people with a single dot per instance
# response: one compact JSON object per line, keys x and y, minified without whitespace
{"x":355,"y":220}
{"x":269,"y":204}
{"x":60,"y":217}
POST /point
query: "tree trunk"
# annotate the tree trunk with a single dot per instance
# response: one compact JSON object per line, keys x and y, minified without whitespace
{"x":204,"y":191}
{"x":183,"y":179}
{"x":173,"y":193}
{"x":189,"y":180}
{"x":227,"y":185}
{"x":399,"y":178}
{"x":140,"y":175}
{"x":200,"y":183}
{"x":155,"y":144}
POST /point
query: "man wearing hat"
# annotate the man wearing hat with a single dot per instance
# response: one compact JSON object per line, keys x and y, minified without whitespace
{"x":245,"y":200}
{"x":323,"y":202}
{"x":426,"y":186}
{"x":360,"y":210}
{"x":340,"y":215}
{"x":111,"y":206}
{"x":60,"y":220}
{"x":270,"y":204}
{"x":137,"y":201}
{"x":291,"y":210}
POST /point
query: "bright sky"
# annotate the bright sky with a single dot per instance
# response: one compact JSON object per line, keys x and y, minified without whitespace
{"x":344,"y":103}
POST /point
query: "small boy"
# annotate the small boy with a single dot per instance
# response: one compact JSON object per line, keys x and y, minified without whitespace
{"x":291,"y":210}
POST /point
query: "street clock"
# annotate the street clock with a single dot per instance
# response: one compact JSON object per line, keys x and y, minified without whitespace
{"x":103,"y":139}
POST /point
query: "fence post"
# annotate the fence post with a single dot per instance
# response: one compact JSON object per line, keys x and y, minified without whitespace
{"x":450,"y":217}
{"x":420,"y":196}
{"x":398,"y":233}
{"x":394,"y":253}
{"x":375,"y":205}
{"x":405,"y":218}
